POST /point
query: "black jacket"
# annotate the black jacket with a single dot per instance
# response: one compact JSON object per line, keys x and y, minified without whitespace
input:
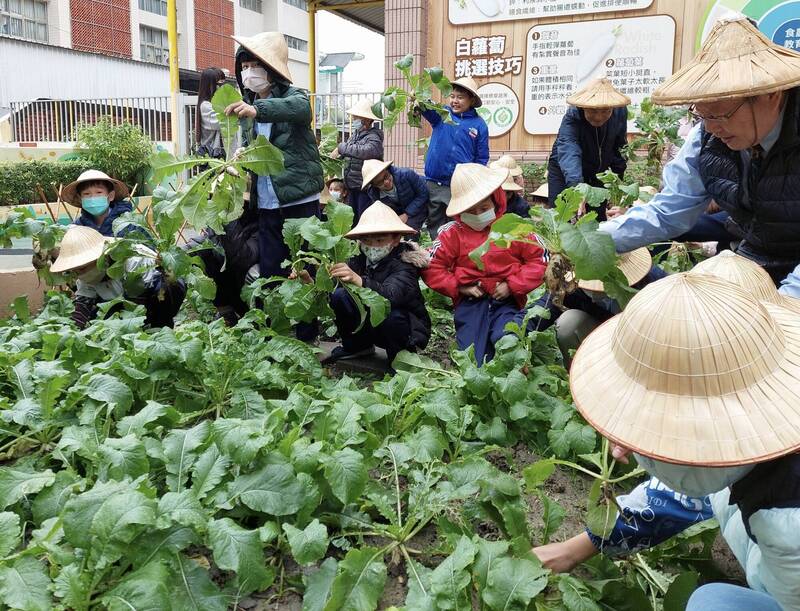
{"x":362,"y":145}
{"x":396,"y":277}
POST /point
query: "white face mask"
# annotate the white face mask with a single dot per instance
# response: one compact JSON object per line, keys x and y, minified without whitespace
{"x":376,"y":253}
{"x":693,"y":481}
{"x":480,"y":221}
{"x":335,"y":195}
{"x":255,"y":79}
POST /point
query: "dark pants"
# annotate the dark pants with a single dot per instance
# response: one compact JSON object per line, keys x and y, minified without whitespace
{"x":481,"y":323}
{"x":437,"y":207}
{"x":393,"y":334}
{"x":163,"y":305}
{"x":273,"y":250}
{"x":359,"y":201}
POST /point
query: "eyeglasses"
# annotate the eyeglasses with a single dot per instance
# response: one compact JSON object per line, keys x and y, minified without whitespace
{"x":716,"y":118}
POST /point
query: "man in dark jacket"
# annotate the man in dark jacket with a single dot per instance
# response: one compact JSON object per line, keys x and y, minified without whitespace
{"x":590,"y":139}
{"x":390,"y":268}
{"x":273,"y":108}
{"x":366,"y":142}
{"x":402,"y":189}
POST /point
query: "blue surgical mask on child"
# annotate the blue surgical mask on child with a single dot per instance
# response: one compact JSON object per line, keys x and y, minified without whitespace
{"x":336,"y":195}
{"x":480,"y":221}
{"x":376,"y":253}
{"x":95,"y":205}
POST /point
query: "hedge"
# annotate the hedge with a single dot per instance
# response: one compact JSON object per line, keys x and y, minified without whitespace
{"x":18,"y":180}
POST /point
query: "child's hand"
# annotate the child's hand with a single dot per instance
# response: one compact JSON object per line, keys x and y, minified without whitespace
{"x":473,"y":290}
{"x":302,"y":275}
{"x":341,"y":271}
{"x":614,"y":211}
{"x":404,"y":217}
{"x":501,"y":291}
{"x":241,"y":109}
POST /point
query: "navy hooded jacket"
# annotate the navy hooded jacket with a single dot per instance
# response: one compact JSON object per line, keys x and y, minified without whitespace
{"x":412,"y":192}
{"x":115,"y":210}
{"x":466,"y":140}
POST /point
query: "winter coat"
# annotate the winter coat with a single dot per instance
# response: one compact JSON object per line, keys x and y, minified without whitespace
{"x":582,"y":151}
{"x":115,"y":210}
{"x":289,"y":111}
{"x":521,"y":265}
{"x":464,"y":141}
{"x":362,"y":145}
{"x":396,"y":277}
{"x":412,"y":192}
{"x":519,"y":206}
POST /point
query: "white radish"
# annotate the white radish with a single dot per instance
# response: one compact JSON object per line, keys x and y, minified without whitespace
{"x":490,"y":8}
{"x":595,"y":55}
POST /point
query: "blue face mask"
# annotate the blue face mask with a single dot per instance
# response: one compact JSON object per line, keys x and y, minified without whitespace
{"x":358,"y":124}
{"x":95,"y":205}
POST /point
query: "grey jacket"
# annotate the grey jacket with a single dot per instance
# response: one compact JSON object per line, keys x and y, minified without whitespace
{"x":362,"y":145}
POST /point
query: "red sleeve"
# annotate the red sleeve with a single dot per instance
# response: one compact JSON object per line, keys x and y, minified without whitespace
{"x":530,"y":273}
{"x":439,"y":273}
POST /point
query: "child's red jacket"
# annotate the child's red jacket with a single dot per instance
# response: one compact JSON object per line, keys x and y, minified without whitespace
{"x":521,"y":265}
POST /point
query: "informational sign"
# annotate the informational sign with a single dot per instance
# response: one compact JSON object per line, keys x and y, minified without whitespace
{"x":634,"y":53}
{"x":489,"y":11}
{"x":485,"y":56}
{"x":500,"y":108}
{"x":779,"y":20}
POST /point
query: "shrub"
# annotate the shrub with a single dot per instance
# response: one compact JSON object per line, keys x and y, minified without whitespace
{"x":534,"y":175}
{"x":18,"y":181}
{"x":121,"y":151}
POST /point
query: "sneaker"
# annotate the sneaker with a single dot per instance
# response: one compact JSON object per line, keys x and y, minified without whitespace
{"x":340,"y":354}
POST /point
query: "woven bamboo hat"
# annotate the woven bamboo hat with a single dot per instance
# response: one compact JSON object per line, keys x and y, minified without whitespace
{"x":694,"y":371}
{"x":735,"y":61}
{"x":70,"y":192}
{"x":600,"y":93}
{"x":471,"y":184}
{"x":470,"y":85}
{"x":508,"y":162}
{"x":270,"y":48}
{"x":80,"y":246}
{"x":542,"y":191}
{"x":363,"y":109}
{"x":634,"y":264}
{"x":371,"y":169}
{"x":379,"y":218}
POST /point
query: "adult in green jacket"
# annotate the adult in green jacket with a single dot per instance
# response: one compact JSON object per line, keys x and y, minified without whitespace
{"x":273,"y":108}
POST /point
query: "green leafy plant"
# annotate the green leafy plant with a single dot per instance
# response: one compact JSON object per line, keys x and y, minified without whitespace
{"x":45,"y":238}
{"x":121,"y":150}
{"x":615,"y":191}
{"x":20,"y":181}
{"x":659,"y":130}
{"x":416,"y":99}
{"x":329,"y":140}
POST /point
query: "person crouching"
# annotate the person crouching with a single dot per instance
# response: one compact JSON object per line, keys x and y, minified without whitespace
{"x":391,"y":268}
{"x":489,"y":298}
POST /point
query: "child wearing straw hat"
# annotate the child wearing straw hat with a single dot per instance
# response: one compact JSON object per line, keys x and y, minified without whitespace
{"x":101,"y":200}
{"x":391,"y":268}
{"x":83,"y":247}
{"x":366,"y":142}
{"x":485,"y":299}
{"x":732,"y":430}
{"x":590,"y":138}
{"x":744,"y":153}
{"x":513,"y":186}
{"x":402,"y":189}
{"x":465,"y":140}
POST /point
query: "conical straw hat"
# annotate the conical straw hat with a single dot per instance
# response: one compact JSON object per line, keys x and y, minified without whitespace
{"x":379,"y":218}
{"x":635,"y":265}
{"x":748,"y":275}
{"x":471,"y":184}
{"x":363,"y":109}
{"x":70,"y":192}
{"x":80,"y":246}
{"x":470,"y":85}
{"x":735,"y":61}
{"x":694,"y":371}
{"x":270,"y":48}
{"x":542,"y":191}
{"x":508,"y":162}
{"x":600,"y":93}
{"x":510,"y":185}
{"x":371,"y":169}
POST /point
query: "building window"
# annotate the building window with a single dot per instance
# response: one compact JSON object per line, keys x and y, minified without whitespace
{"x":301,"y":4}
{"x":251,"y":5}
{"x":159,"y":7}
{"x":154,"y":45}
{"x":24,"y":19}
{"x":296,"y":43}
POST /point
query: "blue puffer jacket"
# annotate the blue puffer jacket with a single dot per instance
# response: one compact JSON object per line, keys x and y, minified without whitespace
{"x":412,"y":192}
{"x":117,"y":209}
{"x":464,"y":141}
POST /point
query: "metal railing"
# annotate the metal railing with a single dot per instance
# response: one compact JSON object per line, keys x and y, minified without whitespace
{"x":332,"y":108}
{"x":57,"y":120}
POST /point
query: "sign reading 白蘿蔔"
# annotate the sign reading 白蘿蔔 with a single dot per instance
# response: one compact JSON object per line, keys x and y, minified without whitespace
{"x":488,"y":11}
{"x":634,"y":53}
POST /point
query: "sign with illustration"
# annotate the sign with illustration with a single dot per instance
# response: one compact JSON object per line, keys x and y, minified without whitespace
{"x":500,"y":108}
{"x":634,"y":53}
{"x":779,"y":20}
{"x":489,"y":11}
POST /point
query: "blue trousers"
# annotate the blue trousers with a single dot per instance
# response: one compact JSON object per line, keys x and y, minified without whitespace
{"x":481,"y":323}
{"x":359,"y":201}
{"x":727,"y":597}
{"x":393,"y":334}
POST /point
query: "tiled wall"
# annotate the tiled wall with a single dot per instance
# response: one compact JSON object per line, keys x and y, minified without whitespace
{"x":101,"y":26}
{"x":213,"y":25}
